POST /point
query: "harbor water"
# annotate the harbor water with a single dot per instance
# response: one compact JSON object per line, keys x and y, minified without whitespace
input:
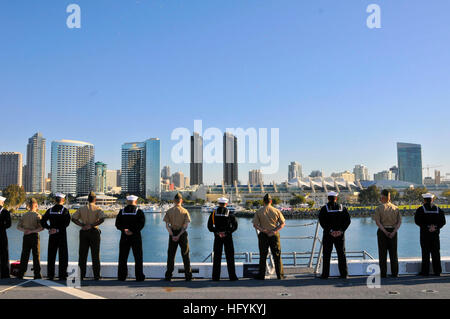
{"x":361,"y":235}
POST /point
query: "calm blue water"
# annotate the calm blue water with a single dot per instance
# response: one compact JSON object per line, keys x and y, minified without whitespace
{"x":361,"y":235}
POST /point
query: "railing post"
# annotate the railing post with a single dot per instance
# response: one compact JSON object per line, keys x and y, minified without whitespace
{"x":295,"y":258}
{"x":311,"y":258}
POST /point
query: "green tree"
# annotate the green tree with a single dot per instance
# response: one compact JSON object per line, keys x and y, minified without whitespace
{"x":297,"y":200}
{"x":446,"y":194}
{"x":15,"y":196}
{"x":395,"y":195}
{"x":369,"y":196}
{"x":276,"y":200}
{"x":310,"y":203}
{"x":414,"y":195}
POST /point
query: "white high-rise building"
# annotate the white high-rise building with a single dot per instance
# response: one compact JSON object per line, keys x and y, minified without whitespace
{"x":255,"y":177}
{"x":10,"y":169}
{"x":295,"y":171}
{"x":361,"y":173}
{"x":35,"y":169}
{"x":72,"y":167}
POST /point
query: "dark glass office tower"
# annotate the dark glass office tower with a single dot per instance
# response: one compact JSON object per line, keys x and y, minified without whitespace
{"x":409,"y":162}
{"x":230,"y":159}
{"x":196,"y":169}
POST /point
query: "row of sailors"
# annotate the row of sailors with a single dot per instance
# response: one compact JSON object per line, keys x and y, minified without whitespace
{"x":333,"y":218}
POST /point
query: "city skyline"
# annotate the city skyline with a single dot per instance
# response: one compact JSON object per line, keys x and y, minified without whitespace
{"x":242,"y":180}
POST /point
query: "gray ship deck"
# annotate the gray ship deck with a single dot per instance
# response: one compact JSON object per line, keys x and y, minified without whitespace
{"x":296,"y":287}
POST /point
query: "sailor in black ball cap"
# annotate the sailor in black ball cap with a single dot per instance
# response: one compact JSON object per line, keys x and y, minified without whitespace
{"x":334,"y":219}
{"x":430,"y":218}
{"x":222,"y":223}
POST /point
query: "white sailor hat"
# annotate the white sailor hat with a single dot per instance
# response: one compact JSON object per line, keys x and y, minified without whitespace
{"x":334,"y":194}
{"x":132,"y":198}
{"x":222,"y":200}
{"x":2,"y":199}
{"x":427,"y":195}
{"x":60,"y":195}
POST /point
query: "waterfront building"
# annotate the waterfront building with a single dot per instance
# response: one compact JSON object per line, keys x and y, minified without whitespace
{"x":316,"y":173}
{"x":141,"y":168}
{"x":165,"y":172}
{"x":347,"y":176}
{"x":112,"y":179}
{"x":383,"y":176}
{"x":294,"y":171}
{"x":100,"y":177}
{"x":178,"y":180}
{"x":10,"y":169}
{"x":196,"y":167}
{"x":409,"y":158}
{"x":230,"y":159}
{"x":72,"y":167}
{"x":255,"y":177}
{"x":34,"y":170}
{"x":361,"y":173}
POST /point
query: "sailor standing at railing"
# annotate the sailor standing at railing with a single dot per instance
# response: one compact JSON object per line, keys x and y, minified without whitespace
{"x":5,"y":223}
{"x":222,"y":223}
{"x":177,"y":220}
{"x":430,"y":218}
{"x":130,"y":221}
{"x":269,"y":221}
{"x":334,"y":219}
{"x":59,"y":218}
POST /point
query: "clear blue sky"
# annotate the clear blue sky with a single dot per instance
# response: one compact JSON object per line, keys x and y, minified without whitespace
{"x":341,"y":94}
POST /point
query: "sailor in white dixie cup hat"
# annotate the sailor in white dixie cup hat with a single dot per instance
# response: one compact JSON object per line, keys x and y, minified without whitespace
{"x":430,"y":218}
{"x":334,"y":219}
{"x":5,"y":223}
{"x":333,"y":194}
{"x":223,"y":224}
{"x":222,"y":200}
{"x":132,"y":198}
{"x":56,"y":220}
{"x":130,"y":221}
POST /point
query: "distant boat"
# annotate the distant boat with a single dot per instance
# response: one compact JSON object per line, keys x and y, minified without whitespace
{"x":152,"y":209}
{"x":208,"y":208}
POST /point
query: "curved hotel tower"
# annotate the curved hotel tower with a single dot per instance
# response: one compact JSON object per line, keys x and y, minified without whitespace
{"x":72,"y":167}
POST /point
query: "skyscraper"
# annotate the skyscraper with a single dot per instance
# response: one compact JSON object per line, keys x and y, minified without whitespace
{"x":112,"y":179}
{"x":100,"y":177}
{"x":10,"y":169}
{"x":34,"y":172}
{"x":153,"y":167}
{"x":361,"y":173}
{"x":178,"y":179}
{"x":295,"y":171}
{"x":133,"y":169}
{"x":196,"y":169}
{"x":230,"y":159}
{"x":165,"y":172}
{"x":409,"y":162}
{"x":72,"y":167}
{"x":383,"y":176}
{"x":141,"y":168}
{"x":255,"y":177}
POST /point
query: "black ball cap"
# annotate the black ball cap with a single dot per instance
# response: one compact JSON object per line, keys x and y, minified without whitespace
{"x":178,"y":196}
{"x":267,"y":198}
